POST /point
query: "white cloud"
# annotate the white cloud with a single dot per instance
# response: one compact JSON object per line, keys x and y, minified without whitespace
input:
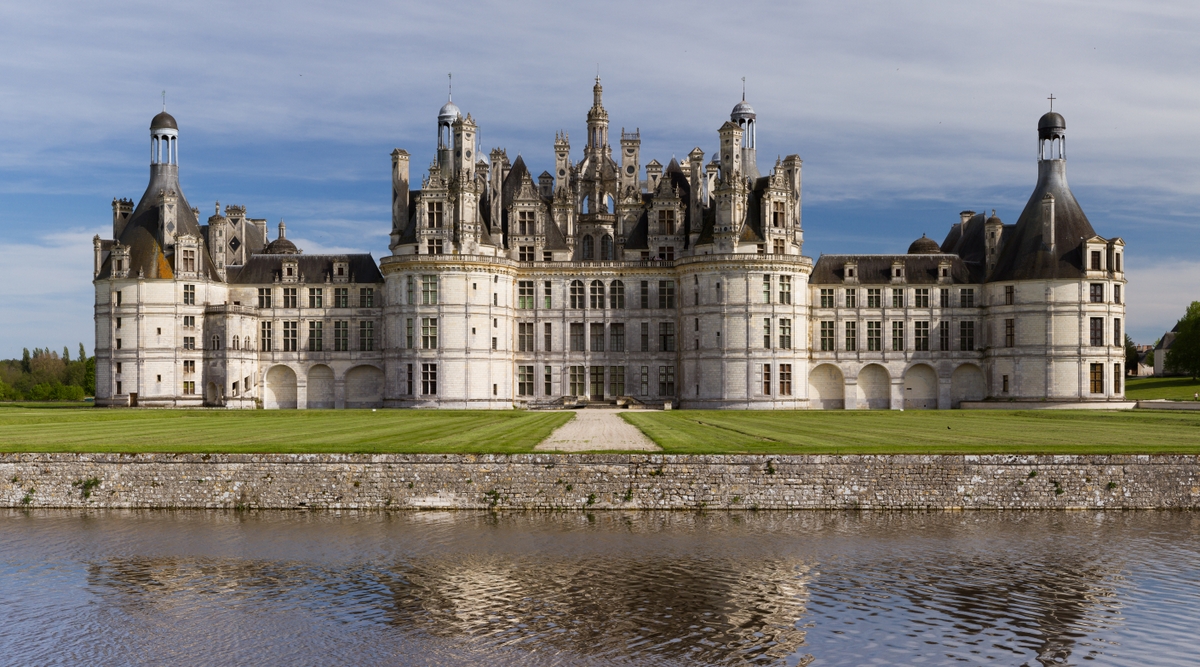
{"x":1158,"y":295}
{"x":46,"y":293}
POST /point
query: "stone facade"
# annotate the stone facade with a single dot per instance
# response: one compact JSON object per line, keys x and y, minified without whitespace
{"x":687,"y":287}
{"x":593,"y":482}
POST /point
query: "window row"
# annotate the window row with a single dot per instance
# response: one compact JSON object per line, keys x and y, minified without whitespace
{"x":316,"y":297}
{"x":898,"y":297}
{"x":921,"y":341}
{"x":290,"y":336}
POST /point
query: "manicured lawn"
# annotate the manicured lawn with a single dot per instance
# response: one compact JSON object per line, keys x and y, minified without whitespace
{"x":921,"y":432}
{"x":54,"y":428}
{"x":1174,"y":389}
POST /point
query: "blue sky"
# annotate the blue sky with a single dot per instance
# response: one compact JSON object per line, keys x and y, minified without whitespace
{"x":904,"y":113}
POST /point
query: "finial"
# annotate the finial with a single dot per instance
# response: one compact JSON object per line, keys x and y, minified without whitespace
{"x":743,"y":89}
{"x":282,"y":229}
{"x":218,"y":211}
{"x":993,"y":213}
{"x":1051,"y":98}
{"x":450,"y":78}
{"x":164,"y":95}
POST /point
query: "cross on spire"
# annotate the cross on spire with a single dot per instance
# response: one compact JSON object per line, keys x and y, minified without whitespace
{"x":450,"y":94}
{"x":164,"y":95}
{"x":1051,"y":98}
{"x":743,"y":89}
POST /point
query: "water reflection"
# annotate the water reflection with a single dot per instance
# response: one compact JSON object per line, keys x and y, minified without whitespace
{"x":661,"y":589}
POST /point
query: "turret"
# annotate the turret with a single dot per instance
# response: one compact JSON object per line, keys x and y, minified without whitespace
{"x":464,"y":146}
{"x":562,"y":161}
{"x":731,"y":151}
{"x":399,"y":195}
{"x":597,"y":120}
{"x":122,"y":209}
{"x":631,"y":146}
{"x":744,"y":117}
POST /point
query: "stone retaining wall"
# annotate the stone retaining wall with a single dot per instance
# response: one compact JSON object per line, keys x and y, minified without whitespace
{"x":590,"y":481}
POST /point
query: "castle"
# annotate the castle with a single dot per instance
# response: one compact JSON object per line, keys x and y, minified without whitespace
{"x":606,"y":280}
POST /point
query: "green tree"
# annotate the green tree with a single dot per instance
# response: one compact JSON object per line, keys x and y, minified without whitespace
{"x":67,"y":355}
{"x":1184,"y":355}
{"x":82,"y":353}
{"x":1131,"y":356}
{"x":25,"y":360}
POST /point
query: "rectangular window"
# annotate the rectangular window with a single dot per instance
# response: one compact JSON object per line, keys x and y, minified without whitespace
{"x":429,"y":290}
{"x":778,"y":216}
{"x":827,"y":335}
{"x":645,"y":336}
{"x":118,"y":343}
{"x":921,"y":297}
{"x":666,"y":294}
{"x":785,"y":334}
{"x":526,"y":253}
{"x":616,"y":335}
{"x":645,"y":293}
{"x":897,"y":298}
{"x":1097,"y":337}
{"x":785,"y":379}
{"x":547,"y":295}
{"x":316,"y":337}
{"x":118,"y":323}
{"x":525,"y":294}
{"x":767,"y":333}
{"x":366,"y":297}
{"x":577,"y":294}
{"x":264,"y":297}
{"x":666,"y":223}
{"x":616,"y":380}
{"x":897,"y":336}
{"x":436,"y":212}
{"x":578,"y":383}
{"x":851,"y":297}
{"x":429,"y":333}
{"x":289,"y":297}
{"x":189,"y":322}
{"x":1116,"y":332}
{"x":666,"y":252}
{"x":851,"y":336}
{"x":874,"y":297}
{"x":429,"y":379}
{"x":408,"y":379}
{"x":316,"y":297}
{"x":1097,"y":292}
{"x":289,"y":336}
{"x":645,"y":381}
{"x":548,"y":380}
{"x":408,"y":333}
{"x":597,"y":376}
{"x":525,"y":223}
{"x":874,"y":336}
{"x":366,"y":336}
{"x":189,"y":387}
{"x":1004,"y":384}
{"x":666,"y":336}
{"x":826,"y":298}
{"x":921,"y":336}
{"x":944,"y":336}
{"x":189,"y":367}
{"x":434,"y":247}
{"x":766,"y":288}
{"x":1096,"y":261}
{"x":1117,"y":373}
{"x":779,"y":247}
{"x":616,"y":294}
{"x":1097,"y":379}
{"x":524,"y":380}
{"x":1116,"y":293}
{"x":265,"y":337}
{"x":785,"y":290}
{"x":577,"y":342}
{"x":189,"y":261}
{"x":341,"y":297}
{"x":548,"y":337}
{"x":1010,"y":294}
{"x":1010,"y":332}
{"x":944,"y":297}
{"x":966,"y":298}
{"x":341,"y":336}
{"x":189,"y":295}
{"x":525,"y":337}
{"x":966,"y":336}
{"x":766,"y":379}
{"x":666,"y":380}
{"x":597,"y":336}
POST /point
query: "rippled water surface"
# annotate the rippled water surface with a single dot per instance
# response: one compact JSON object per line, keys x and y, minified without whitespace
{"x":820,"y":588}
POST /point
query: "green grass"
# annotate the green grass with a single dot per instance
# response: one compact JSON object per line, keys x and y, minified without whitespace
{"x":1174,"y":389}
{"x":54,"y":428}
{"x":921,"y":432}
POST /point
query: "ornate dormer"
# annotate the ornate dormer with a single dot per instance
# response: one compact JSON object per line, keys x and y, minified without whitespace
{"x":290,"y":270}
{"x":897,"y":275}
{"x":850,"y":272}
{"x":187,"y":257}
{"x":341,"y":270}
{"x":119,"y":256}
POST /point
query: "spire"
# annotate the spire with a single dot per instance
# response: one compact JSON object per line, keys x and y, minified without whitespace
{"x":450,"y":86}
{"x":597,"y":92}
{"x":743,"y":89}
{"x":282,"y":229}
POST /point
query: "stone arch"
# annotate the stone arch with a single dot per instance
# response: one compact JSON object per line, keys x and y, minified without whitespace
{"x":588,"y":247}
{"x":279,"y":392}
{"x":212,"y":394}
{"x":874,"y":388}
{"x":606,"y":247}
{"x":320,"y":387}
{"x":364,"y":387}
{"x":967,"y":384}
{"x":920,"y":388}
{"x":826,"y":388}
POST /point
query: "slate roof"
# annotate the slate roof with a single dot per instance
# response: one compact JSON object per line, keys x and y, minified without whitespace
{"x":877,"y":269}
{"x":262,"y":269}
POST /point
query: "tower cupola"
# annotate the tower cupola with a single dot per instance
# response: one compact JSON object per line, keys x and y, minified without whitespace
{"x":1052,"y":137}
{"x":164,"y":139}
{"x":744,"y":117}
{"x":597,"y":119}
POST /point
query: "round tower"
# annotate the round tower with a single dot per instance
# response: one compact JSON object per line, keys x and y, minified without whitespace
{"x":164,"y":139}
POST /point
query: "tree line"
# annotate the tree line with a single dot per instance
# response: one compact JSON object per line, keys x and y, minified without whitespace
{"x":45,"y":375}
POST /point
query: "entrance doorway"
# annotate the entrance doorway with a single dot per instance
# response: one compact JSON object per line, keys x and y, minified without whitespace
{"x":597,"y":383}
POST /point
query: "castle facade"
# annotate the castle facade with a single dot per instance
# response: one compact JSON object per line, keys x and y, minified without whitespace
{"x":607,"y":280}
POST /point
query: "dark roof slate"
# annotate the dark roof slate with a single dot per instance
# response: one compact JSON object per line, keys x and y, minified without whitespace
{"x":877,"y":269}
{"x":262,"y":269}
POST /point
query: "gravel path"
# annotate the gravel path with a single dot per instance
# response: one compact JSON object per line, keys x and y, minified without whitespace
{"x":595,"y":429}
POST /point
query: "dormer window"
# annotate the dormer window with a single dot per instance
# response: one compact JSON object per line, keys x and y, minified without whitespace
{"x":1095,"y":263}
{"x":666,"y":222}
{"x":945,"y":272}
{"x":849,"y":273}
{"x":290,"y":271}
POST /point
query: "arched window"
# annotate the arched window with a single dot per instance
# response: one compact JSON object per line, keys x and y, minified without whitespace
{"x":247,"y":345}
{"x":616,"y":294}
{"x":233,"y":344}
{"x":577,"y":294}
{"x":216,"y":342}
{"x":606,"y":247}
{"x":597,"y":294}
{"x":589,"y":248}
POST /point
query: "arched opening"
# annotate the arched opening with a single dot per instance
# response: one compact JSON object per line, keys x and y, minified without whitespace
{"x":364,"y":387}
{"x":826,"y":388}
{"x":920,"y":388}
{"x":597,"y":295}
{"x":966,"y":384}
{"x":320,"y":387}
{"x":280,"y":390}
{"x":212,"y":394}
{"x":606,"y":247}
{"x":589,"y":247}
{"x":874,"y":388}
{"x":616,"y":294}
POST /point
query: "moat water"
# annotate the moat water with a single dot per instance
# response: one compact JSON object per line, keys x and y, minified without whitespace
{"x":820,"y":588}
